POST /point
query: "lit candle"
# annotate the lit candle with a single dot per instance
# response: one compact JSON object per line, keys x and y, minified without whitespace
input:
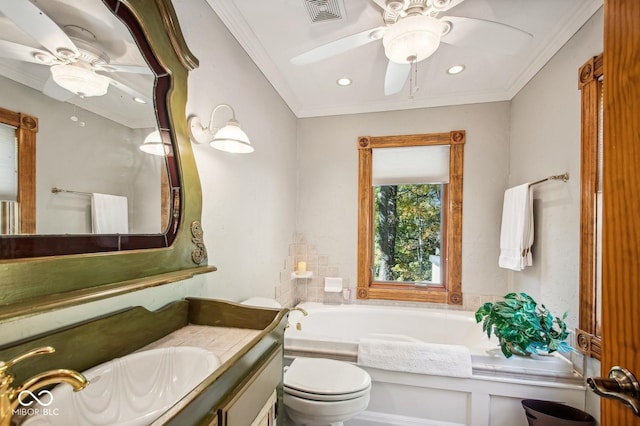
{"x":302,"y":266}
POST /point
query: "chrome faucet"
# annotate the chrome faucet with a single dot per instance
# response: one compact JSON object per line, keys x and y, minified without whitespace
{"x":10,"y":397}
{"x":304,"y":313}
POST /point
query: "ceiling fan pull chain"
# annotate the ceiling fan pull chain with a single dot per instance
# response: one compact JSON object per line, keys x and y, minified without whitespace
{"x":413,"y":77}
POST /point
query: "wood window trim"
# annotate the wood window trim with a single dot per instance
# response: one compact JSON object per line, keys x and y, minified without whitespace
{"x":452,"y":246}
{"x":587,"y":337}
{"x":26,"y":129}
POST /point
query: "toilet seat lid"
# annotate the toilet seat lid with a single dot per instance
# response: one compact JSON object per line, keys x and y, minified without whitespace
{"x":325,"y":377}
{"x":325,"y":397}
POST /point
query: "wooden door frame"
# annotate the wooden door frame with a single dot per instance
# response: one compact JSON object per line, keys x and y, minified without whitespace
{"x":621,"y":201}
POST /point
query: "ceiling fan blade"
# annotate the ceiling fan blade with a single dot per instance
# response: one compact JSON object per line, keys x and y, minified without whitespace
{"x":487,"y":36}
{"x":24,"y":53}
{"x":38,"y":25}
{"x":381,"y":3}
{"x":131,"y":92}
{"x":53,"y":90}
{"x":396,"y":77}
{"x":339,"y":46}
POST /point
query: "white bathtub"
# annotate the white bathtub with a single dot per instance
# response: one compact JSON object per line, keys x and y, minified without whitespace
{"x":336,"y":330}
{"x":491,"y":397}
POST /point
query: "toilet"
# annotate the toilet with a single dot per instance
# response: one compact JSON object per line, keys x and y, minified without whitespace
{"x":318,"y":391}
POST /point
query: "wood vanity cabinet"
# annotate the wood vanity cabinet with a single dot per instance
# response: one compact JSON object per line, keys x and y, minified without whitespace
{"x":255,"y":403}
{"x":245,"y":390}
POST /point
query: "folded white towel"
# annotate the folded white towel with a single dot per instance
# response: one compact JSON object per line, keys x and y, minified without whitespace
{"x":516,"y":232}
{"x":109,"y":214}
{"x":415,"y":357}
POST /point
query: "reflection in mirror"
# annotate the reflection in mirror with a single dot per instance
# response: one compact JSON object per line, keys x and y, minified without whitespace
{"x":84,"y":78}
{"x":9,"y":212}
{"x":87,"y":144}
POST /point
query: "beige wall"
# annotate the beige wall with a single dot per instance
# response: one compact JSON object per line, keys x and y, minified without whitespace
{"x":248,"y":200}
{"x":545,"y":140}
{"x":328,"y":183}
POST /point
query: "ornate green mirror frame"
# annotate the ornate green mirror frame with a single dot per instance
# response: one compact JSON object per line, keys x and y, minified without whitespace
{"x":37,"y":284}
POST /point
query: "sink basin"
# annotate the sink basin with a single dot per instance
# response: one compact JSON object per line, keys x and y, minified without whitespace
{"x":129,"y":391}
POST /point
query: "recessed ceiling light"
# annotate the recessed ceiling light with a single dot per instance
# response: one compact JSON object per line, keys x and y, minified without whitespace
{"x":456,"y":69}
{"x":139,"y":100}
{"x":344,"y":81}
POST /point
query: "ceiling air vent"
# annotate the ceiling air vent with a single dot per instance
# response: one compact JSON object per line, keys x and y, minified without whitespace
{"x":324,"y":10}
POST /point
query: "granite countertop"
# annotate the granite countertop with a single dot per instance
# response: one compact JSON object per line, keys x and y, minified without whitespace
{"x":222,"y":341}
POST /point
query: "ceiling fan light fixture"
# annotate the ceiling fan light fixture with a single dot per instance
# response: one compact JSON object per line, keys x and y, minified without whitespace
{"x":413,"y":38}
{"x":80,"y":79}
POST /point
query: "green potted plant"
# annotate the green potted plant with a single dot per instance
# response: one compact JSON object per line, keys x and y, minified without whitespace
{"x":522,"y":326}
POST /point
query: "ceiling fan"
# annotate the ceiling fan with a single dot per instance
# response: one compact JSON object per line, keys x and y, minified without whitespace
{"x":77,"y":64}
{"x":412,"y":31}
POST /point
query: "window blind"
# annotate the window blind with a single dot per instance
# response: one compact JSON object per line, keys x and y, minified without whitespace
{"x":411,"y":165}
{"x":8,"y":163}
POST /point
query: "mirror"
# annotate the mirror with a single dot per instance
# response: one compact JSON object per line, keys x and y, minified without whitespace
{"x":48,"y":271}
{"x":86,"y":143}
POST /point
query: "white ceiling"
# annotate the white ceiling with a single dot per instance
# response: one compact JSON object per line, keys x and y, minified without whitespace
{"x":274,"y":31}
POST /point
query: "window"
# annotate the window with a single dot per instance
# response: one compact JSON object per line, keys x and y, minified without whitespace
{"x":25,"y":128}
{"x":410,"y":217}
{"x":8,"y":163}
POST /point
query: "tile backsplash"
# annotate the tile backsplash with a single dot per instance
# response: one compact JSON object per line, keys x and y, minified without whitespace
{"x":291,"y":290}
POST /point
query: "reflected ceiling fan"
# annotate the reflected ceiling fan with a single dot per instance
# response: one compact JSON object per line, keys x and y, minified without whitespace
{"x":71,"y":53}
{"x":412,"y":31}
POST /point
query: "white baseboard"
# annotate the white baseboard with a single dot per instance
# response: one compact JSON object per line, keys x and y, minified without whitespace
{"x":372,"y":418}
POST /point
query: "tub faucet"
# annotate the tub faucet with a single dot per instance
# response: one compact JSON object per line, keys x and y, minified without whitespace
{"x":11,"y":397}
{"x":298,"y":324}
{"x":305,"y":313}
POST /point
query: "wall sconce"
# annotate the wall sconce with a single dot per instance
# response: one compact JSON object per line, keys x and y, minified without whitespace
{"x":229,"y":138}
{"x":153,"y":144}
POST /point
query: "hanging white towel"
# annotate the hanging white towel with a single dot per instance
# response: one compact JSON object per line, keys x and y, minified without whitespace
{"x":109,"y":214}
{"x":516,"y":233}
{"x":415,"y":357}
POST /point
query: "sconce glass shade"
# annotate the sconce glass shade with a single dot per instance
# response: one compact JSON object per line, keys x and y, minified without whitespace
{"x":153,"y":144}
{"x":80,"y":80}
{"x":413,"y":38}
{"x":232,"y":139}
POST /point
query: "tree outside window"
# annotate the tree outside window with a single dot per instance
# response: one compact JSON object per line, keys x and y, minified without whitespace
{"x":407,"y":225}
